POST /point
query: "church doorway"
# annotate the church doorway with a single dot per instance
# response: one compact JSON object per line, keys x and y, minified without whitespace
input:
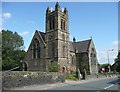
{"x":24,"y":66}
{"x":63,"y":69}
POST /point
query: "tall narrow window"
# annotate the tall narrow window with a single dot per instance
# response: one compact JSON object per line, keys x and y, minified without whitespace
{"x":61,"y":24}
{"x":63,"y":37}
{"x":53,"y":49}
{"x":53,"y":23}
{"x":64,"y":51}
{"x":64,"y":25}
{"x":50,"y":24}
{"x":72,"y":60}
{"x":94,"y":55}
{"x":93,"y":49}
{"x":36,"y":49}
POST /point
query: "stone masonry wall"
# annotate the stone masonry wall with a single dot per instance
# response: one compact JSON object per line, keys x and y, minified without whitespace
{"x":25,"y":78}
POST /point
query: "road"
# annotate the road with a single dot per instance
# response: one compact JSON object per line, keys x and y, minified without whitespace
{"x":111,"y":83}
{"x":102,"y":84}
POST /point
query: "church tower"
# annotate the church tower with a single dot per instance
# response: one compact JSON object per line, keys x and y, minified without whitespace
{"x":57,"y":36}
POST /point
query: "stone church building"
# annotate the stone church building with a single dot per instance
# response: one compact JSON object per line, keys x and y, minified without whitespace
{"x":54,"y":46}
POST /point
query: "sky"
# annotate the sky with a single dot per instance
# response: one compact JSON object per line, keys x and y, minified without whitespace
{"x":86,"y":19}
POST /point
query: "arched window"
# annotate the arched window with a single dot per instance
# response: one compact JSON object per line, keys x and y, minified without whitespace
{"x":93,"y":49}
{"x":53,"y":49}
{"x":91,"y":54}
{"x":53,"y":23}
{"x":64,"y":25}
{"x":94,"y":55}
{"x":61,"y":23}
{"x":63,"y":37}
{"x":36,"y":49}
{"x":64,"y":51}
{"x":34,"y":52}
{"x":50,"y":25}
{"x":72,"y":60}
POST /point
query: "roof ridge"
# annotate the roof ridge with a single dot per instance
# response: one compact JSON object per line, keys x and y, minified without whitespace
{"x":84,"y":40}
{"x":42,"y":32}
{"x":41,"y":37}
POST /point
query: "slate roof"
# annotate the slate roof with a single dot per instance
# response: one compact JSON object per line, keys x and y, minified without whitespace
{"x":81,"y":46}
{"x":43,"y":35}
{"x":72,"y":47}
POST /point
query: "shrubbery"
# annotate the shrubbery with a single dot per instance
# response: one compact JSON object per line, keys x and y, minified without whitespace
{"x":71,"y":76}
{"x":53,"y":68}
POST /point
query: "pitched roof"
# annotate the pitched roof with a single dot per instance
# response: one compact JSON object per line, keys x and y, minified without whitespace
{"x":42,"y":34}
{"x":72,"y":47}
{"x":82,"y":46}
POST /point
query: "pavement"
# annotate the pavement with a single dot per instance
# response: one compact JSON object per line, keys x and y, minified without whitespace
{"x":67,"y":83}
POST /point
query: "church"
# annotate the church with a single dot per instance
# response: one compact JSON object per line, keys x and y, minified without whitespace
{"x":54,"y":46}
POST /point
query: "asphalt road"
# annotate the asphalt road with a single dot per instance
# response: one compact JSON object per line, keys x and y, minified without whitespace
{"x":111,"y":83}
{"x":102,"y":84}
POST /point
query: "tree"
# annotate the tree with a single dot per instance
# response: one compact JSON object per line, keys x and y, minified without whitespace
{"x":12,"y":50}
{"x":105,"y":66}
{"x":0,"y":50}
{"x":117,"y":62}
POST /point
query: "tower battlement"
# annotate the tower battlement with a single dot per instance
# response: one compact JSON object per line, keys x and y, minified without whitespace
{"x":57,"y":9}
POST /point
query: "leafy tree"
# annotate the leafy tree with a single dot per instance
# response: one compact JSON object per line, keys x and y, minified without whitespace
{"x":0,"y":50}
{"x":117,"y":63}
{"x":12,"y":50}
{"x":104,"y":65}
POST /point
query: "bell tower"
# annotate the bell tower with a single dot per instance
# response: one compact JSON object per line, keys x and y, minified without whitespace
{"x":57,"y":36}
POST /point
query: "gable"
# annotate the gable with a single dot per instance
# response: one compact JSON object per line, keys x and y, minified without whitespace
{"x":82,"y":46}
{"x":40,"y":36}
{"x":92,"y":46}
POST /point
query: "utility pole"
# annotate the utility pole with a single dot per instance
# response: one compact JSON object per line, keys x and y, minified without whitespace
{"x":109,"y":59}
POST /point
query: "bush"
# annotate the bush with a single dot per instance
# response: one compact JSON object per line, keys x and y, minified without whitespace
{"x":71,"y":77}
{"x":53,"y":68}
{"x":72,"y":72}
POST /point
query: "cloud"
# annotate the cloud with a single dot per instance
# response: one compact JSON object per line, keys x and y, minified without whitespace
{"x":117,"y":42}
{"x":24,"y":33}
{"x":51,"y":9}
{"x":0,"y":30}
{"x":71,"y":38}
{"x":0,"y":21}
{"x":7,"y":15}
{"x":4,"y":17}
{"x":62,"y":9}
{"x":103,"y":56}
{"x":31,"y":22}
